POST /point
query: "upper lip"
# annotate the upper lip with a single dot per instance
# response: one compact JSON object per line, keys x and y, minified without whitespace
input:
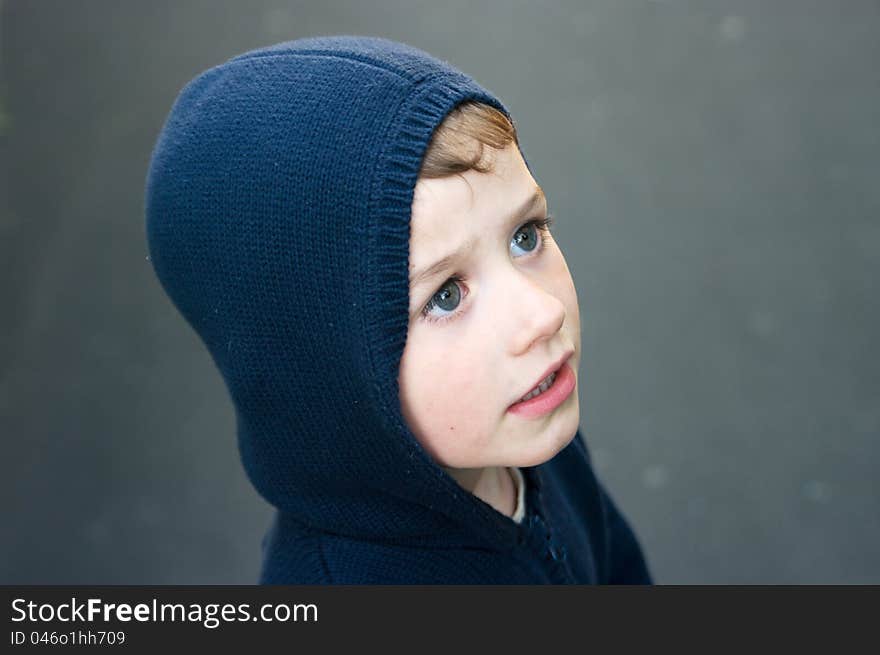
{"x":552,"y":367}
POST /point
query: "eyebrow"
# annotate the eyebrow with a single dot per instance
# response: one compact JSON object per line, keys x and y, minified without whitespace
{"x":444,"y":262}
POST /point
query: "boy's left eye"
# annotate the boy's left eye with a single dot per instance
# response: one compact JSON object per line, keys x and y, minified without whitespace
{"x":534,"y":234}
{"x":527,"y":237}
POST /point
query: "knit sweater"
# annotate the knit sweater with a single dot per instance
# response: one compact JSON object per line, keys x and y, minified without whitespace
{"x":278,"y":205}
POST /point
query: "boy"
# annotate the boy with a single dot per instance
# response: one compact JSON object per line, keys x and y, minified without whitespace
{"x":412,"y":415}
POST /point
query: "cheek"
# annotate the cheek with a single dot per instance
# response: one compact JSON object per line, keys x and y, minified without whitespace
{"x":443,"y":392}
{"x":441,"y":383}
{"x":566,"y":291}
{"x":571,"y":304}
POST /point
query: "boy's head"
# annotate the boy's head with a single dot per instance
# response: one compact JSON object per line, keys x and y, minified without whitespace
{"x":486,"y":324}
{"x":292,"y":193}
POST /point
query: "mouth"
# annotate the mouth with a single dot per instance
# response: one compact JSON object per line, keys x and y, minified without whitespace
{"x":546,"y":380}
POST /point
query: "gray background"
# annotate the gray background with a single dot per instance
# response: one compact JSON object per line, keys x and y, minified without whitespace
{"x":713,"y":169}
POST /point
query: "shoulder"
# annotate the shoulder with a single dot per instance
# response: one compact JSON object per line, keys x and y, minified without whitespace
{"x":291,"y":558}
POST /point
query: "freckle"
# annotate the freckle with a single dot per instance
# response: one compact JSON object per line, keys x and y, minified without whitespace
{"x":451,"y":427}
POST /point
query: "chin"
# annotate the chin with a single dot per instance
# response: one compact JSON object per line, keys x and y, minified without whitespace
{"x":552,"y":448}
{"x":567,"y":434}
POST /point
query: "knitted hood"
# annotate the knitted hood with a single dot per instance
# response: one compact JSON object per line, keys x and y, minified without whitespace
{"x":278,"y":206}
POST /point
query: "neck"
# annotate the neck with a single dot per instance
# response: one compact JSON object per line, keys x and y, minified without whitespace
{"x":493,"y":485}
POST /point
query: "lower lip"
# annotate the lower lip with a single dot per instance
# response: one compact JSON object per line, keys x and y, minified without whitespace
{"x":546,"y":402}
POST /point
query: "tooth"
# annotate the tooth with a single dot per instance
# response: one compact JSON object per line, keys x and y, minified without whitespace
{"x":541,"y":388}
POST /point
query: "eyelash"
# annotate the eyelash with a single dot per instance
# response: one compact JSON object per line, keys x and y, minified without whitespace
{"x":543,"y":225}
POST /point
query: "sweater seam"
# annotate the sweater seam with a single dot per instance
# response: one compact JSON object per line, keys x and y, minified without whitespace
{"x":349,"y":56}
{"x":323,"y":560}
{"x":408,"y":544}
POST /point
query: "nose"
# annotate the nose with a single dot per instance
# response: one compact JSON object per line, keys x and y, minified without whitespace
{"x":538,"y":314}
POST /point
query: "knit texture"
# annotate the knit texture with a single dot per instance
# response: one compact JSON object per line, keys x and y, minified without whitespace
{"x":278,"y":204}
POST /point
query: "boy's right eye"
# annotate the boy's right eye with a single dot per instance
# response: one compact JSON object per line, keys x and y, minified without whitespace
{"x":447,"y":298}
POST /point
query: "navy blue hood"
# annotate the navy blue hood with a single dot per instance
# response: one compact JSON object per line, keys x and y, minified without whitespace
{"x":278,"y":206}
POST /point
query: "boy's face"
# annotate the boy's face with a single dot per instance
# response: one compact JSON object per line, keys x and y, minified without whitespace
{"x":514,"y":315}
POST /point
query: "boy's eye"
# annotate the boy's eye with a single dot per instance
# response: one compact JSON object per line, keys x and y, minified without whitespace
{"x":526,"y":237}
{"x":449,"y":295}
